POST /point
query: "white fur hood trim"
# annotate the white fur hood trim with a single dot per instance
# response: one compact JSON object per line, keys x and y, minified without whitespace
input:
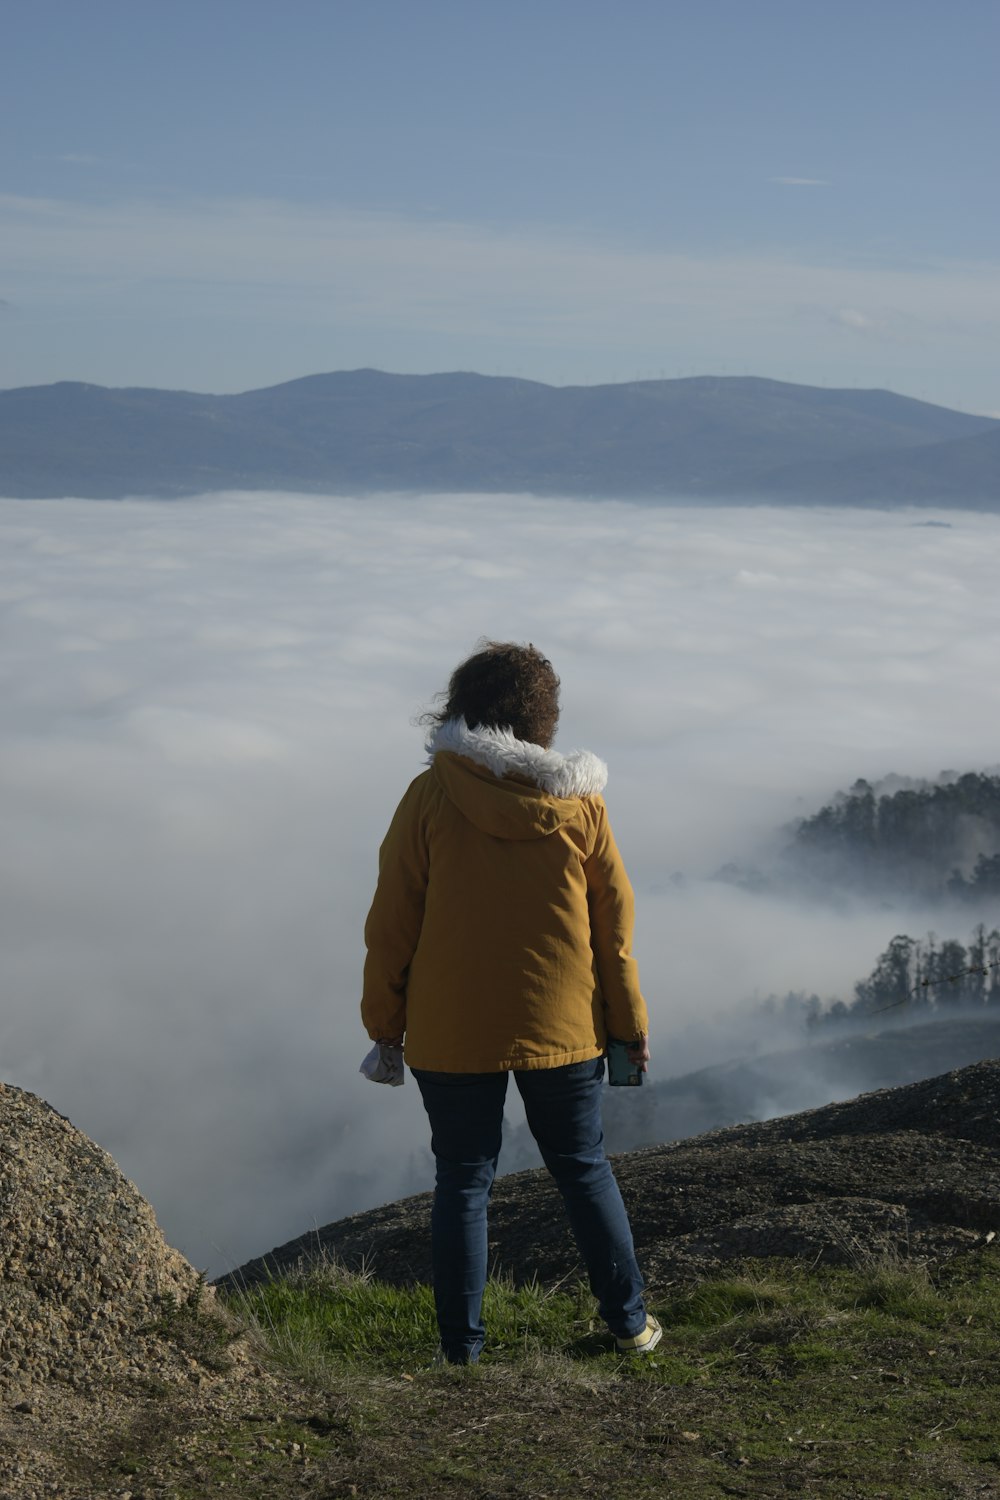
{"x":578,"y":774}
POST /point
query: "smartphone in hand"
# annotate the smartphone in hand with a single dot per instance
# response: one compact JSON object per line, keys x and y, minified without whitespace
{"x":621,"y":1072}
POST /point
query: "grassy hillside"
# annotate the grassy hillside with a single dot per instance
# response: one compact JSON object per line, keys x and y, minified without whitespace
{"x":877,"y":1379}
{"x":829,"y":1286}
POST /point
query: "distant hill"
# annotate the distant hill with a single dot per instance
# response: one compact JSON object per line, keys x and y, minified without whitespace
{"x":930,"y":838}
{"x":960,"y":471}
{"x":886,"y":1054}
{"x":936,"y":840}
{"x":720,"y":439}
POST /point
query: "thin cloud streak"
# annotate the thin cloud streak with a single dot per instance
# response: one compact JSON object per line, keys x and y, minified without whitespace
{"x":850,"y":317}
{"x":263,"y":244}
{"x":206,"y":721}
{"x":542,"y":293}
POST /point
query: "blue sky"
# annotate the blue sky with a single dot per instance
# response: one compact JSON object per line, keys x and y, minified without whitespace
{"x":226,"y":195}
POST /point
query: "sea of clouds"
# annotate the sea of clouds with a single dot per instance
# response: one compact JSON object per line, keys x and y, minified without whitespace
{"x":206,"y":720}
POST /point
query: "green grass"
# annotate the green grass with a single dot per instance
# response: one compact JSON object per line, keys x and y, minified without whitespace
{"x":784,"y":1379}
{"x":322,"y":1317}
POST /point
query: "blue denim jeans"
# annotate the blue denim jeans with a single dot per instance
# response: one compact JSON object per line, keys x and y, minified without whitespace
{"x":563,"y":1108}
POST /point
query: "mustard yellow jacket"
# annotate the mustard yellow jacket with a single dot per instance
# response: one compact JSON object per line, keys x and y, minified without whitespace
{"x":501,"y":928}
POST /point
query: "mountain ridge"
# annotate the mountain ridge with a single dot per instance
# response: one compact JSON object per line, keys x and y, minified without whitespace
{"x":708,"y":438}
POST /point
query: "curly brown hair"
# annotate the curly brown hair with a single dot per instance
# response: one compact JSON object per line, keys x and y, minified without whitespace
{"x":504,"y":686}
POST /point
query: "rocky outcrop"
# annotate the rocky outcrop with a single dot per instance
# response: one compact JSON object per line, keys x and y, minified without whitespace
{"x":85,"y":1273}
{"x":912,"y":1171}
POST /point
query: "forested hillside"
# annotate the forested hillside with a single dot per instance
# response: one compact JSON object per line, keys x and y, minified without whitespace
{"x":929,"y":838}
{"x":920,"y":978}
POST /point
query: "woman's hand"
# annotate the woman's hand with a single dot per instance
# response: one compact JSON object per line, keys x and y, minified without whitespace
{"x":638,"y":1054}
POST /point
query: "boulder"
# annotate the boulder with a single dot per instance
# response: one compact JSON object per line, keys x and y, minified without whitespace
{"x":86,"y":1277}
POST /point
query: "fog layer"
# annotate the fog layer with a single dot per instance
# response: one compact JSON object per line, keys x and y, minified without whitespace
{"x":206,"y":723}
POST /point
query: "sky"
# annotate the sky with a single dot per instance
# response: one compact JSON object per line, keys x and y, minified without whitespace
{"x":207,"y":718}
{"x":221,"y":197}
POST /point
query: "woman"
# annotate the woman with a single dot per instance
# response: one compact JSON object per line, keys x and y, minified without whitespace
{"x":499,"y":941}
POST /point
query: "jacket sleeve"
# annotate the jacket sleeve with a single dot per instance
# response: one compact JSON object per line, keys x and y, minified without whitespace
{"x":396,"y":917}
{"x":612,"y":917}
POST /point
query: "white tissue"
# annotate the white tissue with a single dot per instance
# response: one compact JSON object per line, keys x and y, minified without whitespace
{"x":384,"y":1064}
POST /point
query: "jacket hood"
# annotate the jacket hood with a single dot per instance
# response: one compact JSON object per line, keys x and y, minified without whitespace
{"x":513,"y":789}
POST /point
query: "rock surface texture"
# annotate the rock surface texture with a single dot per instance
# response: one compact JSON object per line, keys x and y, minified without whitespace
{"x":109,"y":1339}
{"x":84,"y":1268}
{"x":912,"y":1171}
